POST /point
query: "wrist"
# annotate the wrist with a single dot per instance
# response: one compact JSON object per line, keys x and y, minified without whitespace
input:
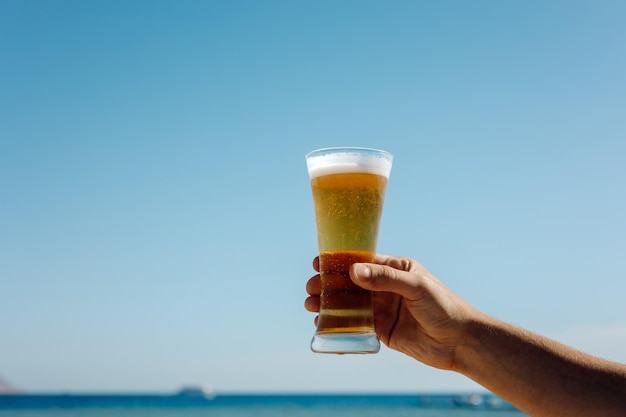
{"x":470,"y":351}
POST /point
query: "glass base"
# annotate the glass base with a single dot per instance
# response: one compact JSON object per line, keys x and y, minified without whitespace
{"x":341,"y":343}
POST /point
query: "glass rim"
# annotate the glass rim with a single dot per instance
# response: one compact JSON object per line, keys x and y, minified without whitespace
{"x":349,"y":149}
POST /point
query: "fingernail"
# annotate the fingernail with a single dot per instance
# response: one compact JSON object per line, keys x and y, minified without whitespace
{"x":363,"y":273}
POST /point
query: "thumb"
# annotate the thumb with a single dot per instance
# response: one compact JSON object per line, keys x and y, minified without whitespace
{"x":376,"y":277}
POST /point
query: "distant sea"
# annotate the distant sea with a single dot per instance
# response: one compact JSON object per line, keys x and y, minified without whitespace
{"x":237,"y":405}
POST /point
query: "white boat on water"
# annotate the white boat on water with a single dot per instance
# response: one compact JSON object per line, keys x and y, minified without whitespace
{"x":205,"y":391}
{"x":471,"y":400}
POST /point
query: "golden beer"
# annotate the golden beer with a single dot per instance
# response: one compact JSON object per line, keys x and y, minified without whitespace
{"x":348,"y":187}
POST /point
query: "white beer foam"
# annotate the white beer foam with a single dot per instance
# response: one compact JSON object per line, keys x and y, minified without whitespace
{"x":346,"y":162}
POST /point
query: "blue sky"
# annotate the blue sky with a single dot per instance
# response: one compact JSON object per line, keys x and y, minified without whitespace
{"x":156,"y":222}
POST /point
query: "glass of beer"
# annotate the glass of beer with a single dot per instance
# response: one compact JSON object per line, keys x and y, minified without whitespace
{"x":348,"y":187}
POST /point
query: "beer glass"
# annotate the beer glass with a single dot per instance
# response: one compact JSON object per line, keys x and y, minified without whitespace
{"x":348,"y":187}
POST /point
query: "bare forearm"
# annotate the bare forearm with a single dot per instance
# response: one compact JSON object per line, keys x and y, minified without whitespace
{"x":538,"y":375}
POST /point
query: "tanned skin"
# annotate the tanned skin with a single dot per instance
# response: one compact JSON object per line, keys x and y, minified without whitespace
{"x":417,"y":315}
